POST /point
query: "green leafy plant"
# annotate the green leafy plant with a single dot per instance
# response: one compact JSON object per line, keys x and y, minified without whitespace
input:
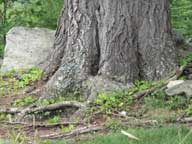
{"x":65,"y":129}
{"x":54,"y":119}
{"x":141,"y":85}
{"x":118,"y":100}
{"x":52,"y":100}
{"x":12,"y":81}
{"x":184,"y":61}
{"x":30,"y":76}
{"x":122,"y":99}
{"x":188,"y":110}
{"x":24,"y":101}
{"x":4,"y":116}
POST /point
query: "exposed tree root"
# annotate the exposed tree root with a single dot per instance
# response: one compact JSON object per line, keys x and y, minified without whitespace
{"x":51,"y":107}
{"x":55,"y":106}
{"x":10,"y":111}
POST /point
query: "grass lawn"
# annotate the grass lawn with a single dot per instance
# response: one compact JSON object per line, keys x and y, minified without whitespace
{"x":169,"y":135}
{"x":164,"y":135}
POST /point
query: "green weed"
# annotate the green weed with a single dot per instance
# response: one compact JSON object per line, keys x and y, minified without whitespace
{"x":24,"y":101}
{"x":186,"y":60}
{"x":122,"y":99}
{"x":158,"y":99}
{"x":53,"y":100}
{"x":110,"y":101}
{"x":65,"y":129}
{"x":54,"y":119}
{"x":12,"y":81}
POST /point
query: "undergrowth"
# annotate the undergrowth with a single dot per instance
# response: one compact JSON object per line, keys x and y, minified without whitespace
{"x":24,"y":101}
{"x":122,"y":99}
{"x":12,"y":81}
{"x":184,"y":61}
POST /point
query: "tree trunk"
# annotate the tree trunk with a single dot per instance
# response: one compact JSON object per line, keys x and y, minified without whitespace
{"x":107,"y":44}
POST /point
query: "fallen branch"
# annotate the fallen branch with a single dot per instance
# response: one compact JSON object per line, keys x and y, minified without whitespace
{"x":37,"y":125}
{"x":140,"y":123}
{"x":140,"y":94}
{"x":177,"y":74}
{"x":74,"y":132}
{"x":185,"y":120}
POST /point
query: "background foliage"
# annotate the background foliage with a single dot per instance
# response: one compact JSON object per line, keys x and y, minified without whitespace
{"x":44,"y":13}
{"x":30,"y":13}
{"x":181,"y":11}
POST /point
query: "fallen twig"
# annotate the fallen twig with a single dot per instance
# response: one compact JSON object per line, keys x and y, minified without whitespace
{"x":140,"y":94}
{"x":140,"y":123}
{"x":129,"y":135}
{"x":74,"y":132}
{"x":185,"y":120}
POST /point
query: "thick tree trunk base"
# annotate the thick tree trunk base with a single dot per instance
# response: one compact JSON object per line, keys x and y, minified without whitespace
{"x":88,"y":88}
{"x":107,"y":44}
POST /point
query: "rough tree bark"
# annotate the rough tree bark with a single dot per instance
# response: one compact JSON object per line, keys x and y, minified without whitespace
{"x":103,"y":44}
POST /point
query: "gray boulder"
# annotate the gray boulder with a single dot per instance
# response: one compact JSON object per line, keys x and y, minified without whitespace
{"x":27,"y":47}
{"x":174,"y":83}
{"x":183,"y":88}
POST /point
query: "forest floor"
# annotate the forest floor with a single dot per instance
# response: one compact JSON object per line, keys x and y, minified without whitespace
{"x":153,"y":118}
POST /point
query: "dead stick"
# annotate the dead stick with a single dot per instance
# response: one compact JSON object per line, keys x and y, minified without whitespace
{"x":74,"y":132}
{"x":88,"y":130}
{"x":185,"y":120}
{"x":41,"y":125}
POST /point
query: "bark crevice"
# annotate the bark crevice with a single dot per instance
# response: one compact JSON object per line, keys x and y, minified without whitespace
{"x":94,"y":68}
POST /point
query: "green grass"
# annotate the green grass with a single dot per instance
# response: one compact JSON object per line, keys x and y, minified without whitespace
{"x":163,"y":135}
{"x":166,"y":135}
